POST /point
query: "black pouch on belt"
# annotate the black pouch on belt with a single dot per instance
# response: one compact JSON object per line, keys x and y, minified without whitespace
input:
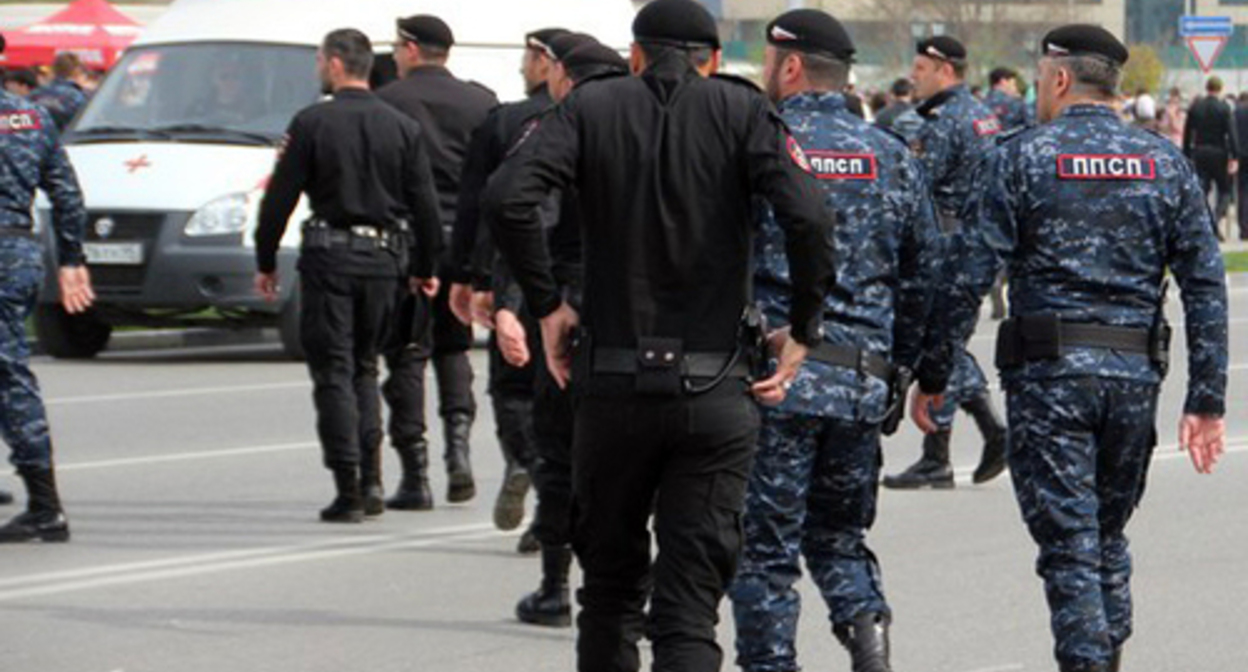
{"x":659,"y":364}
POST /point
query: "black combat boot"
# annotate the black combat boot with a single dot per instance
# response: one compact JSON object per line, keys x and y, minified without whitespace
{"x":460,"y":487}
{"x":528,"y":543}
{"x":550,"y":605}
{"x":348,"y":506}
{"x":992,"y":463}
{"x":1085,"y":668}
{"x":931,"y":471}
{"x":1115,"y":663}
{"x":414,"y":493}
{"x":6,"y":497}
{"x":43,"y":518}
{"x":371,"y":490}
{"x":866,"y":638}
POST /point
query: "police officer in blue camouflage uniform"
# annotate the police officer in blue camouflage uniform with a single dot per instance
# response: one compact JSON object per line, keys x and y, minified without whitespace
{"x":31,"y":157}
{"x":63,"y":97}
{"x":958,"y":132}
{"x":812,"y":491}
{"x":1004,"y":100}
{"x":1087,"y":214}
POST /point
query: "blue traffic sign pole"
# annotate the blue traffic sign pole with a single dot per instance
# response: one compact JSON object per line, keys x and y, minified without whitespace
{"x":1204,"y":26}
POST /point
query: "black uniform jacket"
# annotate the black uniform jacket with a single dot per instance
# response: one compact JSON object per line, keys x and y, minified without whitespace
{"x":665,"y":167}
{"x":362,"y":163}
{"x":1210,"y":126}
{"x":448,"y":110}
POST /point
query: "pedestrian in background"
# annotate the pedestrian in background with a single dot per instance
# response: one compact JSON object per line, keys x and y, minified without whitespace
{"x":65,"y":95}
{"x":1173,"y":117}
{"x":1210,"y":140}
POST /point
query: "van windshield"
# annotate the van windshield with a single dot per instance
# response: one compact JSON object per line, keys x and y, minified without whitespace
{"x":217,"y":92}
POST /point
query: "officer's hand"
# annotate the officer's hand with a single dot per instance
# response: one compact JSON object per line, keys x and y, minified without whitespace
{"x":483,"y":309}
{"x":427,"y":286}
{"x":266,"y":286}
{"x":513,"y":341}
{"x":557,"y":329}
{"x":1233,"y":167}
{"x":1204,"y":439}
{"x":921,"y":407}
{"x":76,"y":292}
{"x":460,"y":298}
{"x":771,"y":392}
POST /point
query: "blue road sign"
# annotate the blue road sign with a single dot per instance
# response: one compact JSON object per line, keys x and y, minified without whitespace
{"x":1201,"y":26}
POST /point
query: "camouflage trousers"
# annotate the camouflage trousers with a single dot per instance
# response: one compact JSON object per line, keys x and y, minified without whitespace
{"x":23,"y":422}
{"x":1079,"y":454}
{"x":812,"y":494}
{"x":966,"y":382}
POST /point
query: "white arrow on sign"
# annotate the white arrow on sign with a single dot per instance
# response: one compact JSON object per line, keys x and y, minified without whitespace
{"x":1206,"y":49}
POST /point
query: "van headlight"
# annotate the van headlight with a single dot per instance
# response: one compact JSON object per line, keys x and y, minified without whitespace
{"x":221,"y":217}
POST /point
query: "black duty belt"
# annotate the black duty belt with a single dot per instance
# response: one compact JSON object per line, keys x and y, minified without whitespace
{"x":853,"y":358}
{"x":627,"y":362}
{"x":362,"y":237}
{"x":1038,"y":337}
{"x":11,"y":232}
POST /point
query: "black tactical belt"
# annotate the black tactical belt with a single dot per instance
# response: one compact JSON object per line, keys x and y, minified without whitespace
{"x":625,"y":362}
{"x":853,"y":358}
{"x":1128,"y":339}
{"x":9,"y":232}
{"x":355,"y":237}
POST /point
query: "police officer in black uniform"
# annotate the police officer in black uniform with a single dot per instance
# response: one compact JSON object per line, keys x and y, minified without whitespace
{"x":665,"y":166}
{"x":448,"y":110}
{"x":472,"y":261}
{"x":1210,"y":140}
{"x":366,"y":172}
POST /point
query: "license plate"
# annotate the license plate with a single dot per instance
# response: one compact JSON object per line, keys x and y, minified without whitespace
{"x":114,"y":254}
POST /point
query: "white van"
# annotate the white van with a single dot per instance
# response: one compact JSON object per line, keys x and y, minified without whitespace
{"x":175,"y":149}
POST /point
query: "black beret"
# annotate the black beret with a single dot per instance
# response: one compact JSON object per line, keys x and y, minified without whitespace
{"x":812,"y":31}
{"x":677,"y":23}
{"x":541,"y":39}
{"x":590,"y":60}
{"x":942,"y":47}
{"x":562,"y":45}
{"x":426,"y":29}
{"x":1084,"y":40}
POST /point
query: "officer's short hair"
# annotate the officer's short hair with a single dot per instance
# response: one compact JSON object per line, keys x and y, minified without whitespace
{"x":24,"y":77}
{"x":999,"y":75}
{"x":433,"y":53}
{"x":823,"y":71}
{"x":352,"y":48}
{"x":698,"y":56}
{"x":66,"y":65}
{"x":1092,"y":74}
{"x":902,"y":87}
{"x":1214,"y":85}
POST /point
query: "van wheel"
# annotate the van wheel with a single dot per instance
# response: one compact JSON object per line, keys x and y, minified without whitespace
{"x":289,"y":328}
{"x":66,"y":336}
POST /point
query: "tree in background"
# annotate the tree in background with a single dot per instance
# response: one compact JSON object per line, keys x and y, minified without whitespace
{"x":1144,"y":70}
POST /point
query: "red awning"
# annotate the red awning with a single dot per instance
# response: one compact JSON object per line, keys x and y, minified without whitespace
{"x":90,"y":28}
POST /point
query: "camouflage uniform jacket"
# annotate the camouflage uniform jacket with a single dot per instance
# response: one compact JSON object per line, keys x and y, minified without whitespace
{"x":62,"y":99}
{"x":1010,"y":110}
{"x":885,"y":247}
{"x":956,"y":136}
{"x":31,"y":157}
{"x":1086,"y":214}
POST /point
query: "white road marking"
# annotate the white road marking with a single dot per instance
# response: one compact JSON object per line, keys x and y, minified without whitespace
{"x":1011,"y":667}
{"x":55,"y":583}
{"x":184,"y":457}
{"x":187,"y":392}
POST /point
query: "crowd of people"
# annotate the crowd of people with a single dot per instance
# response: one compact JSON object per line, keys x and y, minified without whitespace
{"x":62,"y":88}
{"x":708,"y":304}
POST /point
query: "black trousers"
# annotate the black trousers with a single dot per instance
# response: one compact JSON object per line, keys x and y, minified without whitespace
{"x":687,"y":460}
{"x":552,"y":471}
{"x":1213,"y":169}
{"x":1242,"y":179}
{"x":344,"y":326}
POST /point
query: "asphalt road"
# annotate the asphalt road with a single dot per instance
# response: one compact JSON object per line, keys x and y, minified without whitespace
{"x":192,"y":482}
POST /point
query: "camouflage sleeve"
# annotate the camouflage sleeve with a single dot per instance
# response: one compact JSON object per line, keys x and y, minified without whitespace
{"x":936,"y":150}
{"x":973,"y":258}
{"x":1196,"y":262}
{"x":69,"y":215}
{"x":919,"y":268}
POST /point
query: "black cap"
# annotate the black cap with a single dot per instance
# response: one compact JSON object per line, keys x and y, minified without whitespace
{"x":540,"y":39}
{"x":591,"y":60}
{"x":942,"y":47}
{"x":676,"y":23}
{"x":426,"y":29}
{"x":811,"y":31}
{"x":562,"y":45}
{"x":1084,"y":40}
